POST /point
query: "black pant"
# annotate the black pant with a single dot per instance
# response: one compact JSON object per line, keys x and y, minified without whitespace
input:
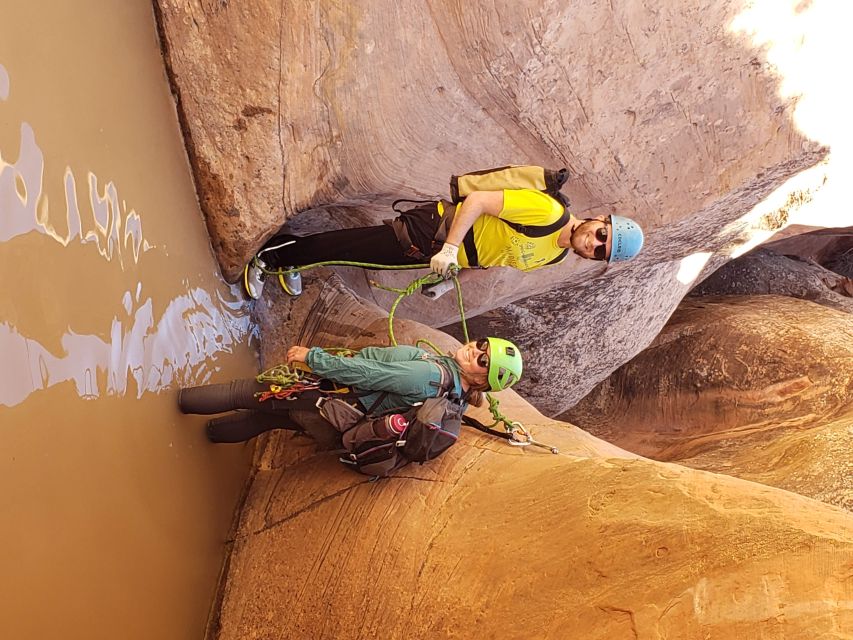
{"x":250,"y":417}
{"x":376,"y":245}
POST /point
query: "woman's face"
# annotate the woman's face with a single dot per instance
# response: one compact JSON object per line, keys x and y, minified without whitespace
{"x":473,"y":359}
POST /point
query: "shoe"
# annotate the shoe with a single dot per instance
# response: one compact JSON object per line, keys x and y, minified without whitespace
{"x":253,"y":278}
{"x":291,"y":282}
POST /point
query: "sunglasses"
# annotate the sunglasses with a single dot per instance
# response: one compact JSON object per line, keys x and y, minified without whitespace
{"x":483,"y":359}
{"x":600,"y":251}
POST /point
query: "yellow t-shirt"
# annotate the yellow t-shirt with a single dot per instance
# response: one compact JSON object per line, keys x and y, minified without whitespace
{"x":499,"y":245}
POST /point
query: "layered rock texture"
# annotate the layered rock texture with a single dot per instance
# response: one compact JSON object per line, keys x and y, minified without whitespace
{"x":668,"y":113}
{"x":657,"y":111}
{"x":498,"y":542}
{"x":765,"y":272}
{"x":831,"y":248}
{"x":319,"y":114}
{"x":758,"y":387}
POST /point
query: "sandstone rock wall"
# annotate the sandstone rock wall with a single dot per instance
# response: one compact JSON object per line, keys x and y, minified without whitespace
{"x":657,"y":110}
{"x":760,"y":387}
{"x":494,"y":541}
{"x":831,"y":248}
{"x":669,"y":113}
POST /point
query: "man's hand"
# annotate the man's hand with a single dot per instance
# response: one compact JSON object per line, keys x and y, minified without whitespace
{"x":297,"y":354}
{"x":442,"y":260}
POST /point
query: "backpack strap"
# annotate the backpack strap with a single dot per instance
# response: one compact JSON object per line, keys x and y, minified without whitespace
{"x":440,"y":236}
{"x":407,"y":201}
{"x":538,"y":231}
{"x":473,"y":422}
{"x":560,"y":257}
{"x":446,"y":385}
{"x":448,"y":212}
{"x":349,"y":395}
{"x":376,"y":402}
{"x":471,"y":249}
{"x":529,"y":230}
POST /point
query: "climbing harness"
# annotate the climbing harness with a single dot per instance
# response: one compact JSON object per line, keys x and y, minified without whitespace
{"x":286,"y":382}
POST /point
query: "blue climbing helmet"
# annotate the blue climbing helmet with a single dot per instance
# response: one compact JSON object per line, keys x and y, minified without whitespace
{"x":627,"y":239}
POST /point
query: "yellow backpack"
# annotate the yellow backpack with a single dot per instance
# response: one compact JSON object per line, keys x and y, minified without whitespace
{"x":510,"y":177}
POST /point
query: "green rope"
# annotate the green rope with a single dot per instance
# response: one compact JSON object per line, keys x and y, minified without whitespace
{"x":284,"y":376}
{"x":431,"y":278}
{"x":341,"y":263}
{"x":430,"y":345}
{"x":280,"y":374}
{"x":414,"y":285}
{"x":461,"y":308}
{"x":509,"y":425}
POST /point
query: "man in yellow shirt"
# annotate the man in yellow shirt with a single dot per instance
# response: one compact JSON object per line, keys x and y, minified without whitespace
{"x":521,"y":228}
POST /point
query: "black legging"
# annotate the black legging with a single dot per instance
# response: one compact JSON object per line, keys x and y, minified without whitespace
{"x":249,"y":417}
{"x":377,"y":245}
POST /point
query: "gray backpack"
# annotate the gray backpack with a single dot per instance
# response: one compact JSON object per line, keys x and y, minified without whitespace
{"x":378,"y":445}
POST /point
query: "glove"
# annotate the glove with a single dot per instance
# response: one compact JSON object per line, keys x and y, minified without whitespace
{"x":442,"y":260}
{"x":437,"y":290}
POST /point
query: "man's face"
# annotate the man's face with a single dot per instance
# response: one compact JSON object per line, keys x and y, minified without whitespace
{"x":592,"y":239}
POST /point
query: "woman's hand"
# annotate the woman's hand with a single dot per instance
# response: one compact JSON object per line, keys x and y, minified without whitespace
{"x":297,"y":354}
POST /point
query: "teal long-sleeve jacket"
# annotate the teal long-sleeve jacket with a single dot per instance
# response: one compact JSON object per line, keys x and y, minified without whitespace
{"x":408,"y":374}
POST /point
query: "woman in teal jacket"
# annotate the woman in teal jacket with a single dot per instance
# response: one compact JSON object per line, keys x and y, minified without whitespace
{"x":382,"y":379}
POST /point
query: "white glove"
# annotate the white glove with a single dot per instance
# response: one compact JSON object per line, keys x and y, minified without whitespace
{"x":437,"y":290}
{"x":442,"y":260}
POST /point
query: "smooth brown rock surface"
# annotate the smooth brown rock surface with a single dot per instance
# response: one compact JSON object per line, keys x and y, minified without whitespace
{"x":656,"y":110}
{"x":758,"y":387}
{"x":494,"y":541}
{"x":824,"y":246}
{"x":814,"y":461}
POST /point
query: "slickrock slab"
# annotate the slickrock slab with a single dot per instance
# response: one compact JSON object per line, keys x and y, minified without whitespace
{"x":757,"y":387}
{"x":493,"y":541}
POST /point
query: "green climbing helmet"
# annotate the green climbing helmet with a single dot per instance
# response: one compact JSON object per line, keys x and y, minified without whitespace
{"x":504,"y":364}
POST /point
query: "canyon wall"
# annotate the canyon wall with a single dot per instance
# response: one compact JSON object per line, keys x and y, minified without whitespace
{"x":657,"y":111}
{"x":322,"y":114}
{"x":496,"y":541}
{"x":319,"y":114}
